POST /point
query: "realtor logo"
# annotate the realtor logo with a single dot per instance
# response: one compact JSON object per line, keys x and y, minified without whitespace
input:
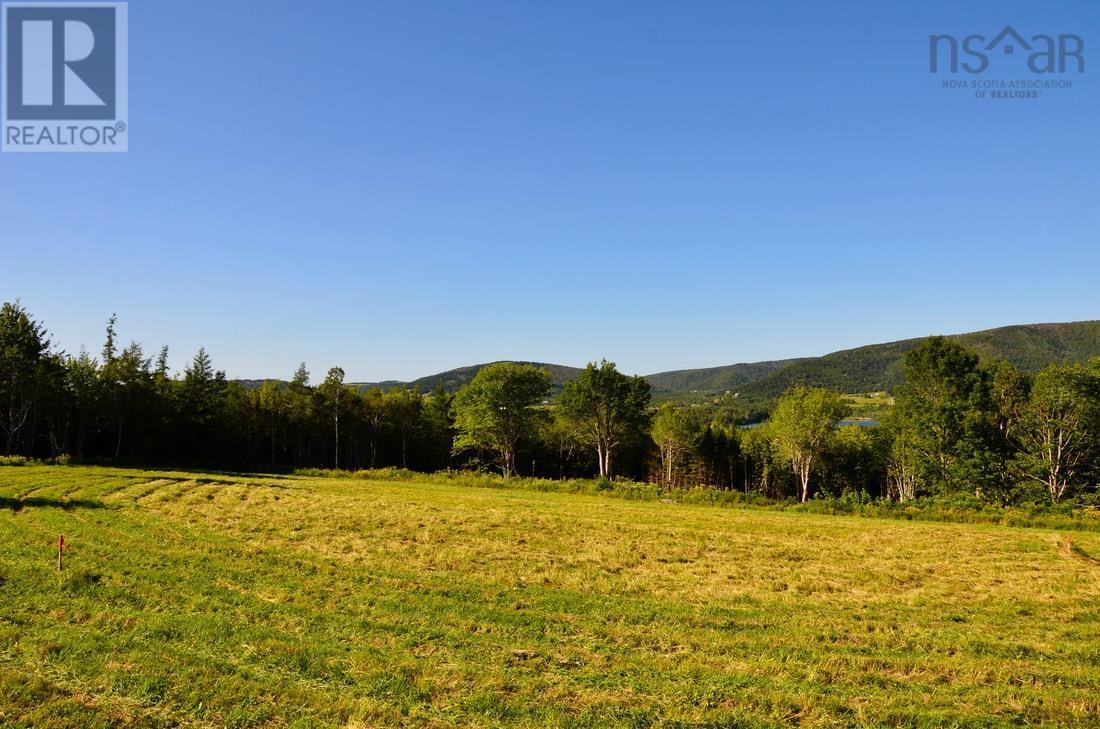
{"x":65,"y":69}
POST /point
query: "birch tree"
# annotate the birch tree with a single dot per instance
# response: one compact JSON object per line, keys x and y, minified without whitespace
{"x":803,"y":421}
{"x":675,"y":434}
{"x":609,"y":408}
{"x":1060,"y":427}
{"x":902,"y":469}
{"x":331,"y":390}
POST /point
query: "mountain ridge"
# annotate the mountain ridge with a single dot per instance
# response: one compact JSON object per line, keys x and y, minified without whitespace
{"x":876,"y":367}
{"x":868,"y":368}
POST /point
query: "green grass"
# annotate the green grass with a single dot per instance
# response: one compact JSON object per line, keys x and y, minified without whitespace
{"x":959,"y":509}
{"x":873,"y":405}
{"x":209,"y":600}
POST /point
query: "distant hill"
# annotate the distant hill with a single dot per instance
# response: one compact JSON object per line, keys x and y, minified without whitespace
{"x":452,"y":380}
{"x":878,"y":366}
{"x":715,"y":379}
{"x":872,"y":368}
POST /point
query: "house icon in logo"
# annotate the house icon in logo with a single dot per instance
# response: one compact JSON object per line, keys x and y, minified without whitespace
{"x":1009,"y":33}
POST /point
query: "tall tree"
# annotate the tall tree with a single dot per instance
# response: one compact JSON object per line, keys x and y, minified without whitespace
{"x":498,"y":408}
{"x":563,"y":439}
{"x":202,"y":402}
{"x":110,"y":342}
{"x":273,"y":402}
{"x":1009,"y":390}
{"x":332,"y":390}
{"x":760,"y":456}
{"x":300,"y":407}
{"x":161,"y":370}
{"x":404,"y":407}
{"x":609,"y":408}
{"x":372,"y":405}
{"x":438,"y":424}
{"x":675,"y":432}
{"x":944,"y":407}
{"x":803,"y":421}
{"x":129,"y":382}
{"x":24,"y":366}
{"x":200,"y":388}
{"x":1059,"y":431}
{"x":82,"y":380}
{"x":726,"y":456}
{"x":903,"y":461}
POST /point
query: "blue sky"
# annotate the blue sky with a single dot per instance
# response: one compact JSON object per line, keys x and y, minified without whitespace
{"x":405,"y":187}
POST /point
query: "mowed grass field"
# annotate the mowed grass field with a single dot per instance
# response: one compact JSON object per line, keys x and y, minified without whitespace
{"x":206,"y":600}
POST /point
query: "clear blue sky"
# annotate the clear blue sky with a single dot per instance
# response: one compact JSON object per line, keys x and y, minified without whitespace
{"x":404,"y":187}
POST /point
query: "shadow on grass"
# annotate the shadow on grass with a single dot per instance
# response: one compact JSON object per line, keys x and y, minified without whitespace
{"x":276,"y":474}
{"x":221,"y":476}
{"x":17,"y":505}
{"x":207,"y":476}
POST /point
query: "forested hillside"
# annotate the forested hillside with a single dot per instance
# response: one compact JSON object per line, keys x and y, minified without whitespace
{"x":715,"y":379}
{"x":871,"y":368}
{"x":878,"y":366}
{"x":452,"y":380}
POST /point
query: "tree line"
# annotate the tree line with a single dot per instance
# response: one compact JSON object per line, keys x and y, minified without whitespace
{"x":959,"y":426}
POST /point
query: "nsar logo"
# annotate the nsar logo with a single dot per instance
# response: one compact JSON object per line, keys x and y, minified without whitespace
{"x":1045,"y":53}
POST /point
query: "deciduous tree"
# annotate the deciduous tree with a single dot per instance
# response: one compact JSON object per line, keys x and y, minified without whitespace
{"x":24,"y":353}
{"x":803,"y":421}
{"x":498,"y":408}
{"x":675,"y":432}
{"x":332,"y":393}
{"x":609,"y":408}
{"x":944,"y":407}
{"x":1060,"y":428}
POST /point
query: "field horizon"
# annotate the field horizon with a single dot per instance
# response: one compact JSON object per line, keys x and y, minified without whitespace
{"x":248,"y":600}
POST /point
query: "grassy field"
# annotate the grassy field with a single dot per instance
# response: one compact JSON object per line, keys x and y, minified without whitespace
{"x":874,"y":405}
{"x":205,"y":600}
